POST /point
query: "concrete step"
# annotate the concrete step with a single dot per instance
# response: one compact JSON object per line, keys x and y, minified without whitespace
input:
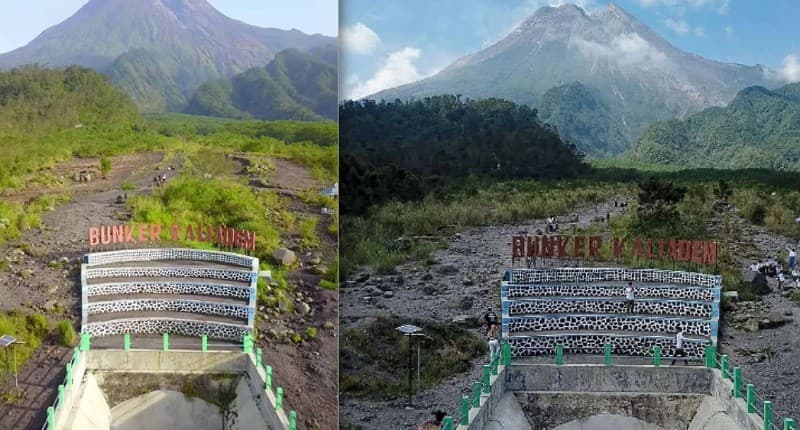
{"x":199,"y":297}
{"x":164,"y":274}
{"x":114,"y":316}
{"x":606,"y":289}
{"x":632,"y":334}
{"x":645,"y":307}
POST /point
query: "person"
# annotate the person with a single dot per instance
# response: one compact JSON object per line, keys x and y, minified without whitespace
{"x":490,"y":318}
{"x":780,"y":280}
{"x":435,"y":423}
{"x":494,"y":346}
{"x":630,"y":297}
{"x":550,"y":224}
{"x":679,"y":352}
{"x":792,"y":258}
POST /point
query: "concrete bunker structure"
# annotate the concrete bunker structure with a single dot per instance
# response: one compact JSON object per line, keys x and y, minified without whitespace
{"x":596,"y":396}
{"x":151,"y":294}
{"x":121,"y":390}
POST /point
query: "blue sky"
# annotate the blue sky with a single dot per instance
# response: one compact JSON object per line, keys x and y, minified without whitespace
{"x":21,"y":23}
{"x":389,"y":43}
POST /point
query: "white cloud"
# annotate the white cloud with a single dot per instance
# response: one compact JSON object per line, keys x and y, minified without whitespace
{"x":679,"y":27}
{"x":397,"y":69}
{"x":626,"y":49}
{"x":790,"y":71}
{"x":359,"y":39}
{"x":722,"y":6}
{"x":729,"y":32}
{"x":700,"y":31}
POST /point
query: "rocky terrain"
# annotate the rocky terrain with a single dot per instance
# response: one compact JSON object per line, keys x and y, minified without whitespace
{"x":460,"y":281}
{"x":41,"y":274}
{"x":456,"y":285}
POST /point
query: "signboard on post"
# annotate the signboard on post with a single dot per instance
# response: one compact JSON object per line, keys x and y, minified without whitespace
{"x":583,"y":247}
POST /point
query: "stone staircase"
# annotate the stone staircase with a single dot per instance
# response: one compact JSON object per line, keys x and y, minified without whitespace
{"x":176,"y":291}
{"x":583,"y":310}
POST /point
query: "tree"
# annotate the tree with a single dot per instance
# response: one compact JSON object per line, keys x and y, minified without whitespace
{"x":657,"y":204}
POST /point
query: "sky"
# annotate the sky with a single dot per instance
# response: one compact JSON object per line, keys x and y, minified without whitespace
{"x":386,"y":43}
{"x":21,"y":23}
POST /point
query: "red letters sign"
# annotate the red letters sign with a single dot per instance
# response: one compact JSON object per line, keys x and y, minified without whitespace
{"x":143,"y":233}
{"x":695,"y":251}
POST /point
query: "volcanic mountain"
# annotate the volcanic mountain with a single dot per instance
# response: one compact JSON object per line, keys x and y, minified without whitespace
{"x":159,"y":51}
{"x":600,"y":78}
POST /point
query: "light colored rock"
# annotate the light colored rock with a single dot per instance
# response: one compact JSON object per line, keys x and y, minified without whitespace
{"x":285,"y":256}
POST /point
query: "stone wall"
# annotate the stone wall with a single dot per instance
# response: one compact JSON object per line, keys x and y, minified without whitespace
{"x":144,"y":280}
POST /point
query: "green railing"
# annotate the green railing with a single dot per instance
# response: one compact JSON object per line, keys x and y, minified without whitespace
{"x":480,"y":388}
{"x":741,"y":389}
{"x":85,"y":345}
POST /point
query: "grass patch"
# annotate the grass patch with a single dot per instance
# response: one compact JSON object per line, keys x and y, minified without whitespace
{"x":307,"y":229}
{"x":65,"y":333}
{"x":195,"y":200}
{"x":127,"y":186}
{"x":31,"y":329}
{"x":374,"y":359}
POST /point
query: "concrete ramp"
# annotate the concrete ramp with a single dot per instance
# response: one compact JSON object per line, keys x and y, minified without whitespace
{"x":712,"y":415}
{"x":166,"y":409}
{"x":94,"y":413}
{"x":508,"y":415}
{"x":606,"y":421}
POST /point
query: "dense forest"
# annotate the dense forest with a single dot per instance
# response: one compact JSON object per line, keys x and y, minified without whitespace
{"x":760,"y":128}
{"x":294,"y":85}
{"x":399,"y":150}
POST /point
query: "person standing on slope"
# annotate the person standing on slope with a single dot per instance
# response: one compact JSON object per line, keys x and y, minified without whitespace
{"x":630,"y":297}
{"x":679,"y":352}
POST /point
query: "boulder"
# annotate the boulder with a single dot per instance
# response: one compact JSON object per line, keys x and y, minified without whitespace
{"x":773,"y":320}
{"x":447,"y":269}
{"x":285,"y":256}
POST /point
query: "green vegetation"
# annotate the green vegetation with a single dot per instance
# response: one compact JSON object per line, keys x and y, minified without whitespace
{"x":373,"y":239}
{"x":583,"y":119}
{"x":311,"y":333}
{"x":18,"y":217}
{"x":31,"y":329}
{"x":759,"y":128}
{"x":65,"y":333}
{"x":388,"y":149}
{"x":374,"y":359}
{"x":308,"y":233}
{"x":47,"y":116}
{"x":294,"y":85}
{"x":195,"y":200}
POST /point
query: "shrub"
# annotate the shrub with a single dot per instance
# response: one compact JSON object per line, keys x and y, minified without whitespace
{"x":65,"y":333}
{"x":311,"y":332}
{"x":38,"y":325}
{"x":105,"y":165}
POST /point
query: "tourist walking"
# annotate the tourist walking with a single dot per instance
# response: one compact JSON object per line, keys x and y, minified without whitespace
{"x":792,"y":258}
{"x":490,"y":319}
{"x":679,"y":352}
{"x":630,"y":297}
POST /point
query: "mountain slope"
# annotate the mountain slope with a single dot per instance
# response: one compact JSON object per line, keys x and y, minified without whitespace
{"x":635,"y":74}
{"x":294,"y":85}
{"x":759,"y":128}
{"x":148,"y":47}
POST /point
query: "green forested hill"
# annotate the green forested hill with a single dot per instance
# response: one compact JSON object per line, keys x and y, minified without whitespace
{"x":294,"y":85}
{"x":393,"y":150}
{"x":583,"y":118}
{"x":47,"y":114}
{"x":759,"y":128}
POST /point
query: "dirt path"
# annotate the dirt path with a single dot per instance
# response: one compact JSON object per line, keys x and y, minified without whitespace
{"x":43,"y":276}
{"x":461,"y":284}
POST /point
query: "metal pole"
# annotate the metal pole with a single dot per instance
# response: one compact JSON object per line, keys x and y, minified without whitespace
{"x":16,"y":381}
{"x":410,"y":372}
{"x":418,"y":378}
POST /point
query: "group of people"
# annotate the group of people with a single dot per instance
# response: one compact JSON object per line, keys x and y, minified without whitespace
{"x":773,"y":268}
{"x":159,"y":180}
